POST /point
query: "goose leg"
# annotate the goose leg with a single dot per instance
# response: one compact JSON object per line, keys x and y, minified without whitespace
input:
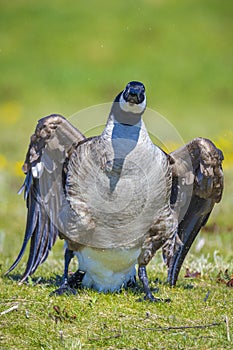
{"x":65,"y":286}
{"x":142,"y":274}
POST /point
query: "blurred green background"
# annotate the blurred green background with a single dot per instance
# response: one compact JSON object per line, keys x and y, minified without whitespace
{"x":62,"y":56}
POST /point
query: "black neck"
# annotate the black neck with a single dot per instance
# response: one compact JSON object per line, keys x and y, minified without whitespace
{"x":123,"y":117}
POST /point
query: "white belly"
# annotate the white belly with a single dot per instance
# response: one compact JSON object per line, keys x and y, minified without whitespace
{"x":107,"y":269}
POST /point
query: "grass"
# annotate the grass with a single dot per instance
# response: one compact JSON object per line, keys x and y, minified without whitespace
{"x":194,"y":319}
{"x":57,"y":57}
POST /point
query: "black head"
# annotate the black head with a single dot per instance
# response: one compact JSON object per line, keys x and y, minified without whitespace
{"x":130,"y":104}
{"x":134,"y":93}
{"x":133,"y":98}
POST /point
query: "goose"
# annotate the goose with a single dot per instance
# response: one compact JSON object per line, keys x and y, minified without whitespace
{"x":115,"y":198}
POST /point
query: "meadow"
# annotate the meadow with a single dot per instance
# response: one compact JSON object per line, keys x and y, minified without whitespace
{"x":62,"y":57}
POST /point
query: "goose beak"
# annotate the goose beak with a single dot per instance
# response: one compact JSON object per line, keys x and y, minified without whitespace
{"x":133,"y":95}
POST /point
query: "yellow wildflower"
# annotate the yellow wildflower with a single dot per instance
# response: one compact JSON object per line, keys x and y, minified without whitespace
{"x":10,"y":112}
{"x":17,"y":167}
{"x":225,"y":143}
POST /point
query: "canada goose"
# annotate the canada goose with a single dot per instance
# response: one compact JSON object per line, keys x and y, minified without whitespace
{"x":116,"y":198}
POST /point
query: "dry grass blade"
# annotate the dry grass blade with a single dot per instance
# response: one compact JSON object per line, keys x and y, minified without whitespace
{"x":170,"y":328}
{"x":14,"y":307}
{"x":228,"y":328}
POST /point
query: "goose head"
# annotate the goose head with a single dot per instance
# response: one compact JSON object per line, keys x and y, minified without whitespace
{"x":133,"y":98}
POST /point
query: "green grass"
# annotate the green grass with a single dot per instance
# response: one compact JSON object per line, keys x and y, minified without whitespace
{"x":94,"y":322}
{"x":63,"y":57}
{"x":90,"y":320}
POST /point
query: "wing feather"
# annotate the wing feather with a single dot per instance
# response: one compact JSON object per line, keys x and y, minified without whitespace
{"x":197,"y":186}
{"x":43,"y":187}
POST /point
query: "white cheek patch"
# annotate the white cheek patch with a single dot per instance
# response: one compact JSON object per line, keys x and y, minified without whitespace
{"x":133,"y":108}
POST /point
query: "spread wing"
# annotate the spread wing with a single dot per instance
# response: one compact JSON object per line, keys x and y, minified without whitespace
{"x":197,"y":186}
{"x":44,"y":190}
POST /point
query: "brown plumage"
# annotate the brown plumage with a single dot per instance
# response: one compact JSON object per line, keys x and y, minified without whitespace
{"x":116,"y":198}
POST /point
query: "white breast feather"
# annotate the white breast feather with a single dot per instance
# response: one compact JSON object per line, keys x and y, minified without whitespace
{"x":107,"y":270}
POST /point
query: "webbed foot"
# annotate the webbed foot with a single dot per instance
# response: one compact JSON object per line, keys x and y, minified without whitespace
{"x":152,"y":299}
{"x":144,"y":279}
{"x":75,"y":280}
{"x":69,"y":286}
{"x":64,"y":288}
